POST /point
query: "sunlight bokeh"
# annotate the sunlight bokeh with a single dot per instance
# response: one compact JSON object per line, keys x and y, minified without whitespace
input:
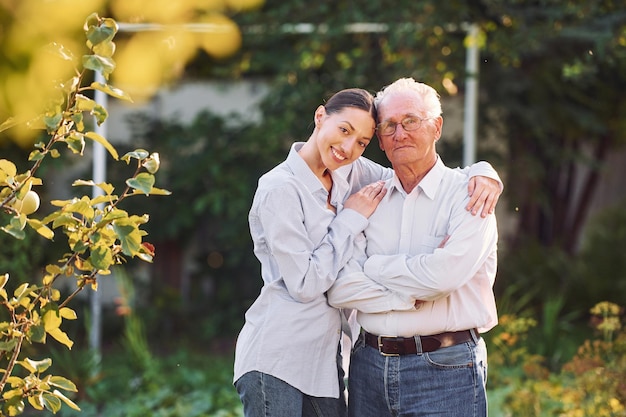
{"x":146,"y":57}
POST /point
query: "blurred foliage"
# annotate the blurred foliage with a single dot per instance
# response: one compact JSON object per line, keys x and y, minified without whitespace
{"x":98,"y":234}
{"x":196,"y":381}
{"x":551,"y":76}
{"x":182,"y":383}
{"x":591,"y":383}
{"x":146,"y":60}
{"x":211,"y":166}
{"x":602,"y":261}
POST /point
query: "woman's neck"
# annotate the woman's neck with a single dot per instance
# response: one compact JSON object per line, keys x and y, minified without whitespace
{"x":311,"y":156}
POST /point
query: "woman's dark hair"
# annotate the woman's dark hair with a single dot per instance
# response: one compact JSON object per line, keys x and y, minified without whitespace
{"x":351,"y":97}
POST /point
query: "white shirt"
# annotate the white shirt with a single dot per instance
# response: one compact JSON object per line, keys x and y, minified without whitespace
{"x":456,"y":281}
{"x":291,"y":332}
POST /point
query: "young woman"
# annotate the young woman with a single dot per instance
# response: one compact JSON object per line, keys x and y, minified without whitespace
{"x":304,"y":219}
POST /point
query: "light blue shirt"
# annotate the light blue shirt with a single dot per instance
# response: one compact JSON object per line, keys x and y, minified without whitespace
{"x":291,"y":332}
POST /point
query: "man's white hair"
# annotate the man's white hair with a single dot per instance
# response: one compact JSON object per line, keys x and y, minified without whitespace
{"x":427,"y":94}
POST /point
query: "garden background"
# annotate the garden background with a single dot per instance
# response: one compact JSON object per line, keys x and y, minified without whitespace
{"x":551,"y":119}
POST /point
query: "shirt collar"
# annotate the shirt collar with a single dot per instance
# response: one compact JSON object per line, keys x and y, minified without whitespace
{"x":302,"y":170}
{"x":428,"y":184}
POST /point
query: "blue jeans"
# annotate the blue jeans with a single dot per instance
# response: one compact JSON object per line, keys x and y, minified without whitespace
{"x":263,"y":395}
{"x":449,"y":382}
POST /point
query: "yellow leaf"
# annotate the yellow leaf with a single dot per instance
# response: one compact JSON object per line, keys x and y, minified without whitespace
{"x":61,"y":337}
{"x":36,"y":401}
{"x":66,"y":400}
{"x":51,"y":320}
{"x":41,"y":228}
{"x":3,"y":280}
{"x":68,"y":313}
{"x":102,"y":141}
{"x":15,"y":381}
{"x":12,"y":393}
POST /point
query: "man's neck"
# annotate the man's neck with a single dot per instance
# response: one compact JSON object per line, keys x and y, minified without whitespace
{"x":410,"y":175}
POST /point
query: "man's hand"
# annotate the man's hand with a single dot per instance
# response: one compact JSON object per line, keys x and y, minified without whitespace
{"x":484,"y":192}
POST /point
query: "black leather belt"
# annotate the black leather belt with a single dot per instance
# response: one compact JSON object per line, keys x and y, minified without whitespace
{"x":395,"y":346}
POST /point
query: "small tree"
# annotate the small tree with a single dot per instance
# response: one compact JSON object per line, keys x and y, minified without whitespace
{"x":99,"y":234}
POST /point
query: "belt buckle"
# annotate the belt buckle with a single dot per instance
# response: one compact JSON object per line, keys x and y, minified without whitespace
{"x":380,"y":346}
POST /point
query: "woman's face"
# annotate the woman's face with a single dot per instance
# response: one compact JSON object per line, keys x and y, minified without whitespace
{"x":343,"y":136}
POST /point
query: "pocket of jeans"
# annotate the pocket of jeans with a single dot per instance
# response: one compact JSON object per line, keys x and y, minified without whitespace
{"x":359,"y":344}
{"x":457,"y":356}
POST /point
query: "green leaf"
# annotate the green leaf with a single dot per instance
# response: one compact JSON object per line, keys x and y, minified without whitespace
{"x":152,"y":164}
{"x":82,"y":207}
{"x":102,"y":141}
{"x":100,"y":113}
{"x":103,"y":32}
{"x":36,"y":401}
{"x":51,"y":402}
{"x":100,"y":64}
{"x":142,"y":182}
{"x":63,"y":383}
{"x":65,"y":220}
{"x":36,"y":366}
{"x":76,"y":142}
{"x":101,"y":257}
{"x":129,"y":236}
{"x":37,"y":334}
{"x":53,"y":122}
{"x":36,"y":155}
{"x":15,"y":406}
{"x":112,"y":215}
{"x":16,"y":227}
{"x":136,"y":154}
{"x":9,"y":345}
{"x":66,"y":400}
{"x":112,"y":91}
{"x":105,"y":48}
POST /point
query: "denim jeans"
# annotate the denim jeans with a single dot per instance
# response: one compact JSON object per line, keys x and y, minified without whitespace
{"x":263,"y":395}
{"x":449,"y":382}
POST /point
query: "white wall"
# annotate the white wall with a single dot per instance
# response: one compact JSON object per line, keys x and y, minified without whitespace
{"x":184,"y":100}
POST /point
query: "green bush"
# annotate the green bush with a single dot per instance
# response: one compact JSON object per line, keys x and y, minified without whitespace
{"x":592,"y":383}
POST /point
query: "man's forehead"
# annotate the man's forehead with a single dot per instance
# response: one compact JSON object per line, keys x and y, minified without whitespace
{"x":400,"y":104}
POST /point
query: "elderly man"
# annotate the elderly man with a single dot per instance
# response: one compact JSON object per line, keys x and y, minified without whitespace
{"x":422,"y":246}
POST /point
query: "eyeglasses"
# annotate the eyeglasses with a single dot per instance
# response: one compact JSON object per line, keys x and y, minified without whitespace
{"x":408,"y":123}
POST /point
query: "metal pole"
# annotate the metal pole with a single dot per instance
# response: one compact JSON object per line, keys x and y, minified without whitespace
{"x":471,"y":96}
{"x":99,"y":175}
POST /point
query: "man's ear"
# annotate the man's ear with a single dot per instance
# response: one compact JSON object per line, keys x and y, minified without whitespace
{"x":439,"y":126}
{"x":380,"y":143}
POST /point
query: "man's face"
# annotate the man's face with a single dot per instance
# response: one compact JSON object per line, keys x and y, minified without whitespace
{"x":414,"y":148}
